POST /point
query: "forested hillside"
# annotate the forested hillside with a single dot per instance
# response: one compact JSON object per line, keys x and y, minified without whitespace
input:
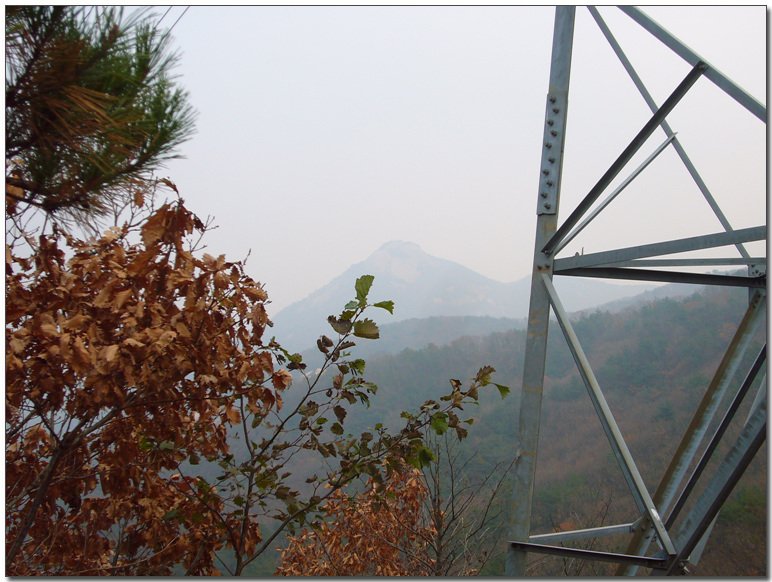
{"x":653,"y":362}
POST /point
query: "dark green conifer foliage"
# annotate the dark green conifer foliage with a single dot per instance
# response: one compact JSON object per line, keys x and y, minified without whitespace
{"x":91,"y":107}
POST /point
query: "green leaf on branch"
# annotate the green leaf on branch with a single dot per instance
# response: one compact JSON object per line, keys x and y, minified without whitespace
{"x":387,"y":305}
{"x":484,"y":375}
{"x":340,"y":326}
{"x":369,"y":386}
{"x":362,"y":287}
{"x":171,"y":515}
{"x":422,"y":457}
{"x":503,"y":390}
{"x":440,"y":423}
{"x":366,"y":329}
{"x":351,"y":305}
{"x":295,"y":362}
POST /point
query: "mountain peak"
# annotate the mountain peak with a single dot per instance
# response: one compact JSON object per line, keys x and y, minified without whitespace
{"x":421,"y":286}
{"x":401,"y":260}
{"x":400,"y":246}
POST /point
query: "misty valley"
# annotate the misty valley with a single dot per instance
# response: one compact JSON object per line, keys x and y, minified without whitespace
{"x":579,"y":483}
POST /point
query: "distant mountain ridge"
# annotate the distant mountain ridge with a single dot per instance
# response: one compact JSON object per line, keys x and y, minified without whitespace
{"x":423,"y":286}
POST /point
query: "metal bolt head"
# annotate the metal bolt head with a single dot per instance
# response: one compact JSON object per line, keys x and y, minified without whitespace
{"x":548,"y":145}
{"x":552,"y":99}
{"x":547,"y":205}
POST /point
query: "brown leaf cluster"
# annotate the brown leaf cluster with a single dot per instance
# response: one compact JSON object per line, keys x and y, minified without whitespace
{"x":375,"y":533}
{"x":122,"y":361}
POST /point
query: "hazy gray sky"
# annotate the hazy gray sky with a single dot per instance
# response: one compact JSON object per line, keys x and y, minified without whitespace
{"x":324,"y":133}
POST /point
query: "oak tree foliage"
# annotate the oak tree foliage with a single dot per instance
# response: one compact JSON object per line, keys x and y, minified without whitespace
{"x":370,"y":534}
{"x":121,"y":361}
{"x":445,"y":519}
{"x":129,"y":365}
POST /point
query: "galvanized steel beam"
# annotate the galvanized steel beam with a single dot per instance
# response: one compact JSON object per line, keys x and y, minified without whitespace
{"x":581,"y":534}
{"x":665,"y":126}
{"x":615,"y":193}
{"x":722,"y":81}
{"x":703,"y":416}
{"x":625,"y":460}
{"x":667,"y":277}
{"x":538,"y":315}
{"x":717,"y":435}
{"x":705,"y":241}
{"x":692,"y":262}
{"x":761,"y":392}
{"x":721,"y":485}
{"x":625,"y":157}
{"x":590,"y":555}
{"x":609,"y":264}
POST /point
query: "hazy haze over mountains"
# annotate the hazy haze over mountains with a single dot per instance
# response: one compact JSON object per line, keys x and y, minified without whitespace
{"x":423,"y":286}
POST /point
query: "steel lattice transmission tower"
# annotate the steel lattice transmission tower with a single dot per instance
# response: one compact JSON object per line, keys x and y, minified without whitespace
{"x":664,"y":536}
